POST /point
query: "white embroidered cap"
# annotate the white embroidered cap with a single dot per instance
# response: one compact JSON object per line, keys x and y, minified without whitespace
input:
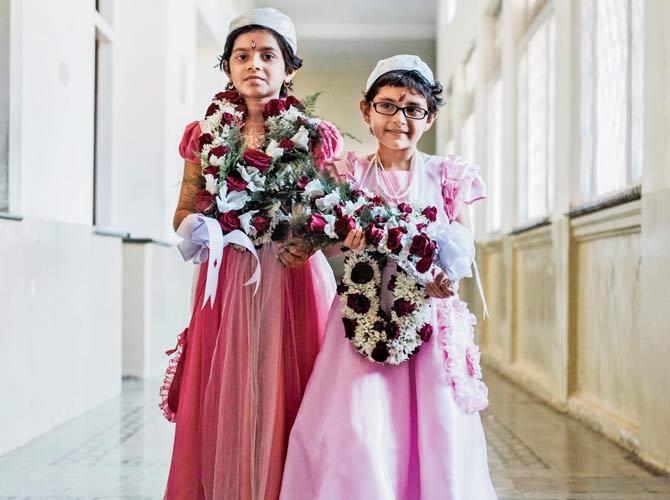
{"x":402,"y":62}
{"x":269,"y":18}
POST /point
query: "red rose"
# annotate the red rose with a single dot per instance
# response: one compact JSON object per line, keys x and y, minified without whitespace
{"x":203,"y":201}
{"x":212,"y":170}
{"x":229,"y":221}
{"x":391,"y":285}
{"x":405,"y":208}
{"x":359,"y":303}
{"x":257,"y":159}
{"x":349,"y":327}
{"x":275,"y":107}
{"x":403,"y":307}
{"x":424,"y":264}
{"x":235,"y":183}
{"x":205,"y":139}
{"x":392,"y":330}
{"x":261,"y":224}
{"x":426,"y":332}
{"x":303,"y":181}
{"x":378,"y":201}
{"x":293,"y":101}
{"x":421,"y":227}
{"x":380,"y":353}
{"x":430,"y":213}
{"x":286,"y":144}
{"x":227,"y":118}
{"x":316,"y":224}
{"x":213,"y":108}
{"x":343,"y":225}
{"x":373,"y":234}
{"x":232,"y":96}
{"x":218,"y":151}
{"x":393,"y":239}
{"x":421,"y":246}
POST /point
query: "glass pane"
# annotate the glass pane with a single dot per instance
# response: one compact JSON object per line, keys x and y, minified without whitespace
{"x":586,"y":101}
{"x":494,"y":156}
{"x":637,"y":90}
{"x":522,"y":137}
{"x":537,"y":124}
{"x":551,"y":113}
{"x":4,"y":105}
{"x":611,"y":95}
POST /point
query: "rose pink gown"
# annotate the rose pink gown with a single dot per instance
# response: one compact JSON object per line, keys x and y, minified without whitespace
{"x":408,"y":432}
{"x":246,"y":361}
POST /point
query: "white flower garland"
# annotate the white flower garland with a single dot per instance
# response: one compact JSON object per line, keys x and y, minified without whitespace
{"x":382,"y":337}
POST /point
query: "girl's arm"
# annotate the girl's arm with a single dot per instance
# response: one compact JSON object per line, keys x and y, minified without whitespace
{"x":190,"y":185}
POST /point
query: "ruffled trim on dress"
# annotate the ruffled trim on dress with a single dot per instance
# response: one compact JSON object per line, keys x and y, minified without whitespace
{"x":461,"y":184}
{"x":461,"y":354}
{"x":175,"y":355}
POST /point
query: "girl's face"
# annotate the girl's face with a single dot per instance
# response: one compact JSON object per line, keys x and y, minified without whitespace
{"x":257,"y":67}
{"x":397,"y":132}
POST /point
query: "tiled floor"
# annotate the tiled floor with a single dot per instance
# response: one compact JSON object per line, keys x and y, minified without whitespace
{"x":121,"y":451}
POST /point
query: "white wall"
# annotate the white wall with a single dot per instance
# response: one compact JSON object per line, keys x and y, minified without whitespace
{"x":57,"y":41}
{"x":61,"y":325}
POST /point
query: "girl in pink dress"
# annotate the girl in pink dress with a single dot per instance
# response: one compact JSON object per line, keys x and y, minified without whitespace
{"x":409,"y":431}
{"x":240,"y":369}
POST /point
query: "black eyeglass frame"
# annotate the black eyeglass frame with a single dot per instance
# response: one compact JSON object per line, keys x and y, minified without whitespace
{"x":400,"y":108}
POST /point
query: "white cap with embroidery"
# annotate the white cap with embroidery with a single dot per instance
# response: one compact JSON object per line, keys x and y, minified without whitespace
{"x":268,"y":18}
{"x":402,"y":62}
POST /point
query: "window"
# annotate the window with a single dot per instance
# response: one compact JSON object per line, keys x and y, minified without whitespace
{"x":536,"y":117}
{"x":494,"y":155}
{"x":611,"y":95}
{"x":102,"y":146}
{"x":494,"y":124}
{"x":4,"y":105}
{"x":447,"y":117}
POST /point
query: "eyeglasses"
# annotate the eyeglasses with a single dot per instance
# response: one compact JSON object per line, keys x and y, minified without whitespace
{"x":412,"y":111}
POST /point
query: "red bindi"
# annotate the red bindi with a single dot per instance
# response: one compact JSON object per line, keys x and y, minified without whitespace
{"x":402,"y":96}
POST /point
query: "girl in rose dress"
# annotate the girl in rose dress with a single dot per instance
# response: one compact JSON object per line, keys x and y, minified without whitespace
{"x":410,"y":431}
{"x":241,"y":367}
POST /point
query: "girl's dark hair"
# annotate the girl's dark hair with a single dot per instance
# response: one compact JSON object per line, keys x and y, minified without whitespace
{"x":292,"y":61}
{"x":410,"y":79}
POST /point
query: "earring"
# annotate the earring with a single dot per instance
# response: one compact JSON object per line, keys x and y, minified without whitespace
{"x":230,"y":85}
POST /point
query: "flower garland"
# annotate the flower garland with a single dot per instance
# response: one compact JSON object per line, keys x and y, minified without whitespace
{"x":382,"y":337}
{"x":249,"y":189}
{"x":403,"y":233}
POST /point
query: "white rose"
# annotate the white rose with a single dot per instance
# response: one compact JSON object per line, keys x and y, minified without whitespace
{"x":245,"y":222}
{"x":301,"y":139}
{"x":234,"y":200}
{"x":274,"y":150}
{"x":210,"y":184}
{"x":314,"y":188}
{"x":328,"y":201}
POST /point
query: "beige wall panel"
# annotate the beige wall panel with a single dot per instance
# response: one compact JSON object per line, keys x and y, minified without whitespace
{"x":534,"y":311}
{"x":606,"y":288}
{"x":494,"y":281}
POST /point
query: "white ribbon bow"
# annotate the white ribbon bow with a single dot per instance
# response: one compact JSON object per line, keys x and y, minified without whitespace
{"x":456,"y":246}
{"x":202,"y":238}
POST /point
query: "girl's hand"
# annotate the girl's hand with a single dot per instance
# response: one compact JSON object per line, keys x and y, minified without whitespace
{"x":294,"y":253}
{"x":440,"y":288}
{"x":355,"y":240}
{"x":238,"y":248}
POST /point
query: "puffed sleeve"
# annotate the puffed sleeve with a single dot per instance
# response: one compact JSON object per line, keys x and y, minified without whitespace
{"x":190,"y":143}
{"x":461,"y":184}
{"x":329,"y":145}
